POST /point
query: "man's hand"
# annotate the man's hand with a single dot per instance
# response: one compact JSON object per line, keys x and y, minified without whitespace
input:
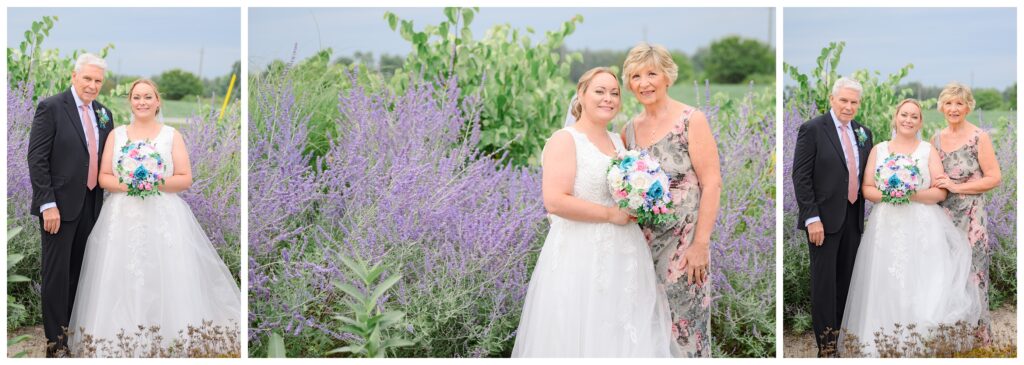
{"x":816,"y":233}
{"x":51,"y":220}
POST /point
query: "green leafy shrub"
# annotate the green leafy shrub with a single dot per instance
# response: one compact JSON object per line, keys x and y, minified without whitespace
{"x":733,"y":59}
{"x":524,"y":82}
{"x":176,"y":84}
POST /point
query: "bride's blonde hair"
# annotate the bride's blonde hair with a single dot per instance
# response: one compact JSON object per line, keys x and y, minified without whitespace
{"x":156,"y":91}
{"x":896,"y":113}
{"x":583,"y":84}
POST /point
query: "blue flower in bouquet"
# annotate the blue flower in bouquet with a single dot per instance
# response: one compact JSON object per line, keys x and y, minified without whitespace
{"x":894,"y":181}
{"x":627,"y":163}
{"x":656,"y":191}
{"x":141,"y":173}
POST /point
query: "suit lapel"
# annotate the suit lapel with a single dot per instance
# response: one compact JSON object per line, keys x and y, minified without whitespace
{"x":100,"y":127}
{"x":833,"y":137}
{"x":74,"y":118}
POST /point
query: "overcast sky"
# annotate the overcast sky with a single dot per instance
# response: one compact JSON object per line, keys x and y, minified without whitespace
{"x":976,"y":45}
{"x":274,"y":32}
{"x":147,"y":41}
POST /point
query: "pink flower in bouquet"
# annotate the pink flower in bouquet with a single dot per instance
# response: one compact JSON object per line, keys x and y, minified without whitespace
{"x":641,"y":165}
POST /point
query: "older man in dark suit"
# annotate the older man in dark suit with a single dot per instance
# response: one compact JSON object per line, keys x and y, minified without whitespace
{"x":66,"y":140}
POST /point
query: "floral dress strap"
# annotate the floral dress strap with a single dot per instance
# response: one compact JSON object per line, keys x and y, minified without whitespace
{"x":682,"y":127}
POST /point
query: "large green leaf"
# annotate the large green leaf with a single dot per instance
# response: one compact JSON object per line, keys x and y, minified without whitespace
{"x":276,"y":348}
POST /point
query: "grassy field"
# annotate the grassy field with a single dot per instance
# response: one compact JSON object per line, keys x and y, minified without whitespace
{"x":180,"y":109}
{"x":685,"y":92}
{"x":996,"y":118}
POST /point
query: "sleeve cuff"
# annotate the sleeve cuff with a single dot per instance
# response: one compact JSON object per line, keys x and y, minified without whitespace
{"x":811,"y":220}
{"x":46,"y":206}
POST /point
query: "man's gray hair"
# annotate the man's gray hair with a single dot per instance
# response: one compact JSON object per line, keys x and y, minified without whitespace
{"x":89,"y":59}
{"x":847,"y":83}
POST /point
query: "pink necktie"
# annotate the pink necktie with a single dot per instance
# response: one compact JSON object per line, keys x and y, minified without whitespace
{"x":851,"y":165}
{"x":90,"y":134}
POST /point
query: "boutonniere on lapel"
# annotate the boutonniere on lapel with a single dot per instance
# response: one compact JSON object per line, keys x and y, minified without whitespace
{"x":105,"y":119}
{"x":862,"y":137}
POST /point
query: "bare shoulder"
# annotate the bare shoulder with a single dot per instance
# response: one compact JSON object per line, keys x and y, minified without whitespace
{"x":561,"y":140}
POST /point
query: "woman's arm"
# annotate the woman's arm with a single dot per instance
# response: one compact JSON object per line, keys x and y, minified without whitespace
{"x":868,"y":187}
{"x":991,"y":176}
{"x":107,"y":179}
{"x":704,"y":156}
{"x":557,"y":179}
{"x":181,"y":179}
{"x":933,"y":194}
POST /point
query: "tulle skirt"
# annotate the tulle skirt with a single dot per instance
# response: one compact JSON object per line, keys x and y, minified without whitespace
{"x":149,"y":263}
{"x":594,"y":293}
{"x":912,"y":267}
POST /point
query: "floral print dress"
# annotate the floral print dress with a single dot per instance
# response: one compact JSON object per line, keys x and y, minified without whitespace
{"x":968,"y":214}
{"x":690,"y":304}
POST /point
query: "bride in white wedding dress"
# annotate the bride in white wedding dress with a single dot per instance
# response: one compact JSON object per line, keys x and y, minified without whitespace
{"x":147,"y":261}
{"x":593,"y":292}
{"x":913,"y":264}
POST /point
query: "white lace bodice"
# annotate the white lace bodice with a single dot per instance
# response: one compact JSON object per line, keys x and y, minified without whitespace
{"x":591,"y":183}
{"x":920,"y":155}
{"x":163,"y":142}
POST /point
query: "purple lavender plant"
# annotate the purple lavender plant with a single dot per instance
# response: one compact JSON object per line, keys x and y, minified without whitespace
{"x":20,"y":112}
{"x":403,"y":185}
{"x":743,"y":244}
{"x":214,"y":196}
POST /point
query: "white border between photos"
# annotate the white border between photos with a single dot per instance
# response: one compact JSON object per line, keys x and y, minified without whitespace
{"x":244,"y":5}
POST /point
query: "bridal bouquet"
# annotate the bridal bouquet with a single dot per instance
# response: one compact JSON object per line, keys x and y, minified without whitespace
{"x":898,"y":177}
{"x":638,"y":183}
{"x":141,"y":168}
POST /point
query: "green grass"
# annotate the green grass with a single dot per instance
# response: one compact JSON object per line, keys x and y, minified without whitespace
{"x":180,"y":109}
{"x":686,"y":93}
{"x":996,"y":119}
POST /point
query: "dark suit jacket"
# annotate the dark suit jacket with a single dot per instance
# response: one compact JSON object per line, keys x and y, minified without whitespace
{"x":820,"y":176}
{"x":58,"y":154}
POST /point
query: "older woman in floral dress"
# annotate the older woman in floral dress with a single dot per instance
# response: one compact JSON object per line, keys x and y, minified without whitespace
{"x":679,"y":137}
{"x":969,"y":161}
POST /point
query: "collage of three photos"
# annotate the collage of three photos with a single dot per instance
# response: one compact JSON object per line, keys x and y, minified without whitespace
{"x":489,"y":182}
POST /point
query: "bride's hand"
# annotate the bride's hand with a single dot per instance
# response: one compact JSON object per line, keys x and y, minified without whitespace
{"x":618,"y":216}
{"x":695,"y":263}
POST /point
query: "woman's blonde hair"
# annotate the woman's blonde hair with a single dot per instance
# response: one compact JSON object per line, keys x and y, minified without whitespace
{"x":581,"y":87}
{"x":151,"y":84}
{"x":956,"y":90}
{"x":896,"y":112}
{"x":649,"y":55}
